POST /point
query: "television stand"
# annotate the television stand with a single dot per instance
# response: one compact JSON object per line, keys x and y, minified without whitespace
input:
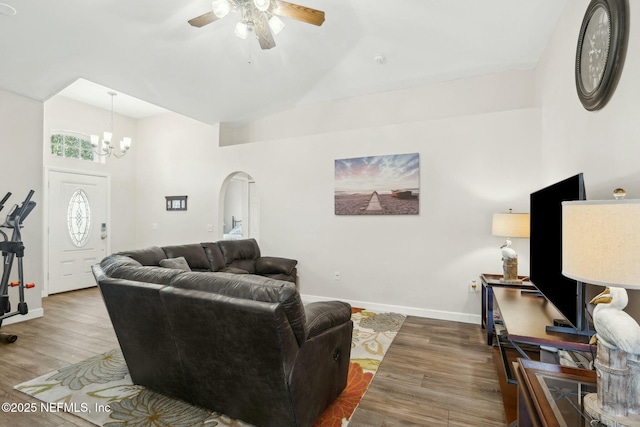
{"x":566,"y":328}
{"x":489,"y":281}
{"x":526,"y":318}
{"x":562,"y":323}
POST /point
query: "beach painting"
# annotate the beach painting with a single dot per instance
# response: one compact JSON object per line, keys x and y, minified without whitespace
{"x":378,"y":185}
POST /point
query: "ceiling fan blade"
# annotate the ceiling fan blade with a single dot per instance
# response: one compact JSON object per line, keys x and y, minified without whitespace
{"x":300,"y":13}
{"x":263,"y":32}
{"x":203,"y":20}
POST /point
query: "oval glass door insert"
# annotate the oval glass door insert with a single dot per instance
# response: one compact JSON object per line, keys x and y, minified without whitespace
{"x":79,"y":218}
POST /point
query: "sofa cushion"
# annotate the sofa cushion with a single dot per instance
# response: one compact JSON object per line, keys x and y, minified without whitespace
{"x":193,"y":253}
{"x":250,"y":287}
{"x":233,"y":270}
{"x":147,"y":274}
{"x":324,"y":315}
{"x":109,"y":264}
{"x":286,"y":277}
{"x":275,"y":265}
{"x":216,"y":259}
{"x":178,"y":263}
{"x":240,"y":253}
{"x":239,"y":249}
{"x":247,"y":265}
{"x":148,"y":256}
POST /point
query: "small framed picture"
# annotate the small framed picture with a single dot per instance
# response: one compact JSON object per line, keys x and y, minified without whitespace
{"x":176,"y":203}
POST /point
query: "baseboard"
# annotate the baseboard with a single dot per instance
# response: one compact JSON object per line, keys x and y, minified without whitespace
{"x":32,"y":314}
{"x":409,"y":311}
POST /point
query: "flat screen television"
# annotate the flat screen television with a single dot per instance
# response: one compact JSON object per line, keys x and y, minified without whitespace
{"x":545,"y":262}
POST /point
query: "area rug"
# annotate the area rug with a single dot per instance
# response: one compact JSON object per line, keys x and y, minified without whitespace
{"x":100,"y":390}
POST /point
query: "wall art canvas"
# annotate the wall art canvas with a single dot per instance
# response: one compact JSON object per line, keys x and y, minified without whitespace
{"x":378,"y":185}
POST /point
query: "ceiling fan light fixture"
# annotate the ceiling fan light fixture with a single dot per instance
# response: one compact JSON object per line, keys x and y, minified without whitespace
{"x":242,"y":30}
{"x":258,"y":16}
{"x":221,"y":8}
{"x":275,"y":24}
{"x":262,"y":5}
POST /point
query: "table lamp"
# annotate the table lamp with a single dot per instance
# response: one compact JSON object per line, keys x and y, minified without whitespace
{"x":601,"y":246}
{"x":510,"y":225}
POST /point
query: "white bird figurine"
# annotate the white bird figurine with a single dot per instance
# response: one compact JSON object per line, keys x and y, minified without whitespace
{"x":507,"y":252}
{"x":615,"y":329}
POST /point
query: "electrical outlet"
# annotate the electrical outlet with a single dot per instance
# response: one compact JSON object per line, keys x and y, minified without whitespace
{"x":473,"y":287}
{"x":336,"y":276}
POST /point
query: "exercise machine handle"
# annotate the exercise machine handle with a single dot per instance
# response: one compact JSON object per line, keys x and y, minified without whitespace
{"x":15,"y":218}
{"x":4,"y":199}
{"x":25,"y":204}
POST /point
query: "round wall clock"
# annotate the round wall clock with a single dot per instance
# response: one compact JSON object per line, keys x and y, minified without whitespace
{"x":601,"y":50}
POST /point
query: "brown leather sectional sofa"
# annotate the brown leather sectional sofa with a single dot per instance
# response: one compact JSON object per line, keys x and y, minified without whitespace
{"x":241,"y":344}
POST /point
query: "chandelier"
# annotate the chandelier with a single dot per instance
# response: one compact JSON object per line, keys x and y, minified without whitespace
{"x":106,"y":147}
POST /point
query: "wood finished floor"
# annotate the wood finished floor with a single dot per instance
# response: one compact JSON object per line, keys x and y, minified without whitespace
{"x":436,"y":373}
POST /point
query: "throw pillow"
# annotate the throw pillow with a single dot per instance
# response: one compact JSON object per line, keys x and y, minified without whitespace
{"x":179,"y":263}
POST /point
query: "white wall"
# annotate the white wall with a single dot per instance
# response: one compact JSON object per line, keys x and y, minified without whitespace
{"x":438,"y":101}
{"x":21,"y":147}
{"x":604,"y":144}
{"x":479,"y":158}
{"x":179,"y":159}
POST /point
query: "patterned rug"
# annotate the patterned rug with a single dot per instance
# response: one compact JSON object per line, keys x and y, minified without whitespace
{"x":100,"y":390}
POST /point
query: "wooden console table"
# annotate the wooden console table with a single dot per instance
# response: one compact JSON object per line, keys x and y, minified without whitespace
{"x":525,"y":317}
{"x":489,"y":281}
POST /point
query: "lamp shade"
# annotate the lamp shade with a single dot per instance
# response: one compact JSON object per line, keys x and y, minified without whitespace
{"x":601,"y":242}
{"x":510,"y":225}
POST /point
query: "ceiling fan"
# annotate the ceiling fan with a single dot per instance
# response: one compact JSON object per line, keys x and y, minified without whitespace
{"x":260,"y":16}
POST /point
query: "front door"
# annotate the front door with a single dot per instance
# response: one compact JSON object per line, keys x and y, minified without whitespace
{"x":77,"y":224}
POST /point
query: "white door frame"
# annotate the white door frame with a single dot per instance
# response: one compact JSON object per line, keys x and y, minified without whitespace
{"x":45,"y":202}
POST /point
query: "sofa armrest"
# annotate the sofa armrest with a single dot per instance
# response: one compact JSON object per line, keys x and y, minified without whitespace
{"x":275,"y":265}
{"x":324,"y":315}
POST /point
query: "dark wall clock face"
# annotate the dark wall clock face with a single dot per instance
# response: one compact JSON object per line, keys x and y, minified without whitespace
{"x":601,"y":50}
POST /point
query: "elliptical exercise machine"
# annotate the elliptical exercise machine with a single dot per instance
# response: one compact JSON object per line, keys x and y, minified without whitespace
{"x":11,"y":249}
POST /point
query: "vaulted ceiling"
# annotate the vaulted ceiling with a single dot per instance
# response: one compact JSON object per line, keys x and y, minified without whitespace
{"x":146,"y":49}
